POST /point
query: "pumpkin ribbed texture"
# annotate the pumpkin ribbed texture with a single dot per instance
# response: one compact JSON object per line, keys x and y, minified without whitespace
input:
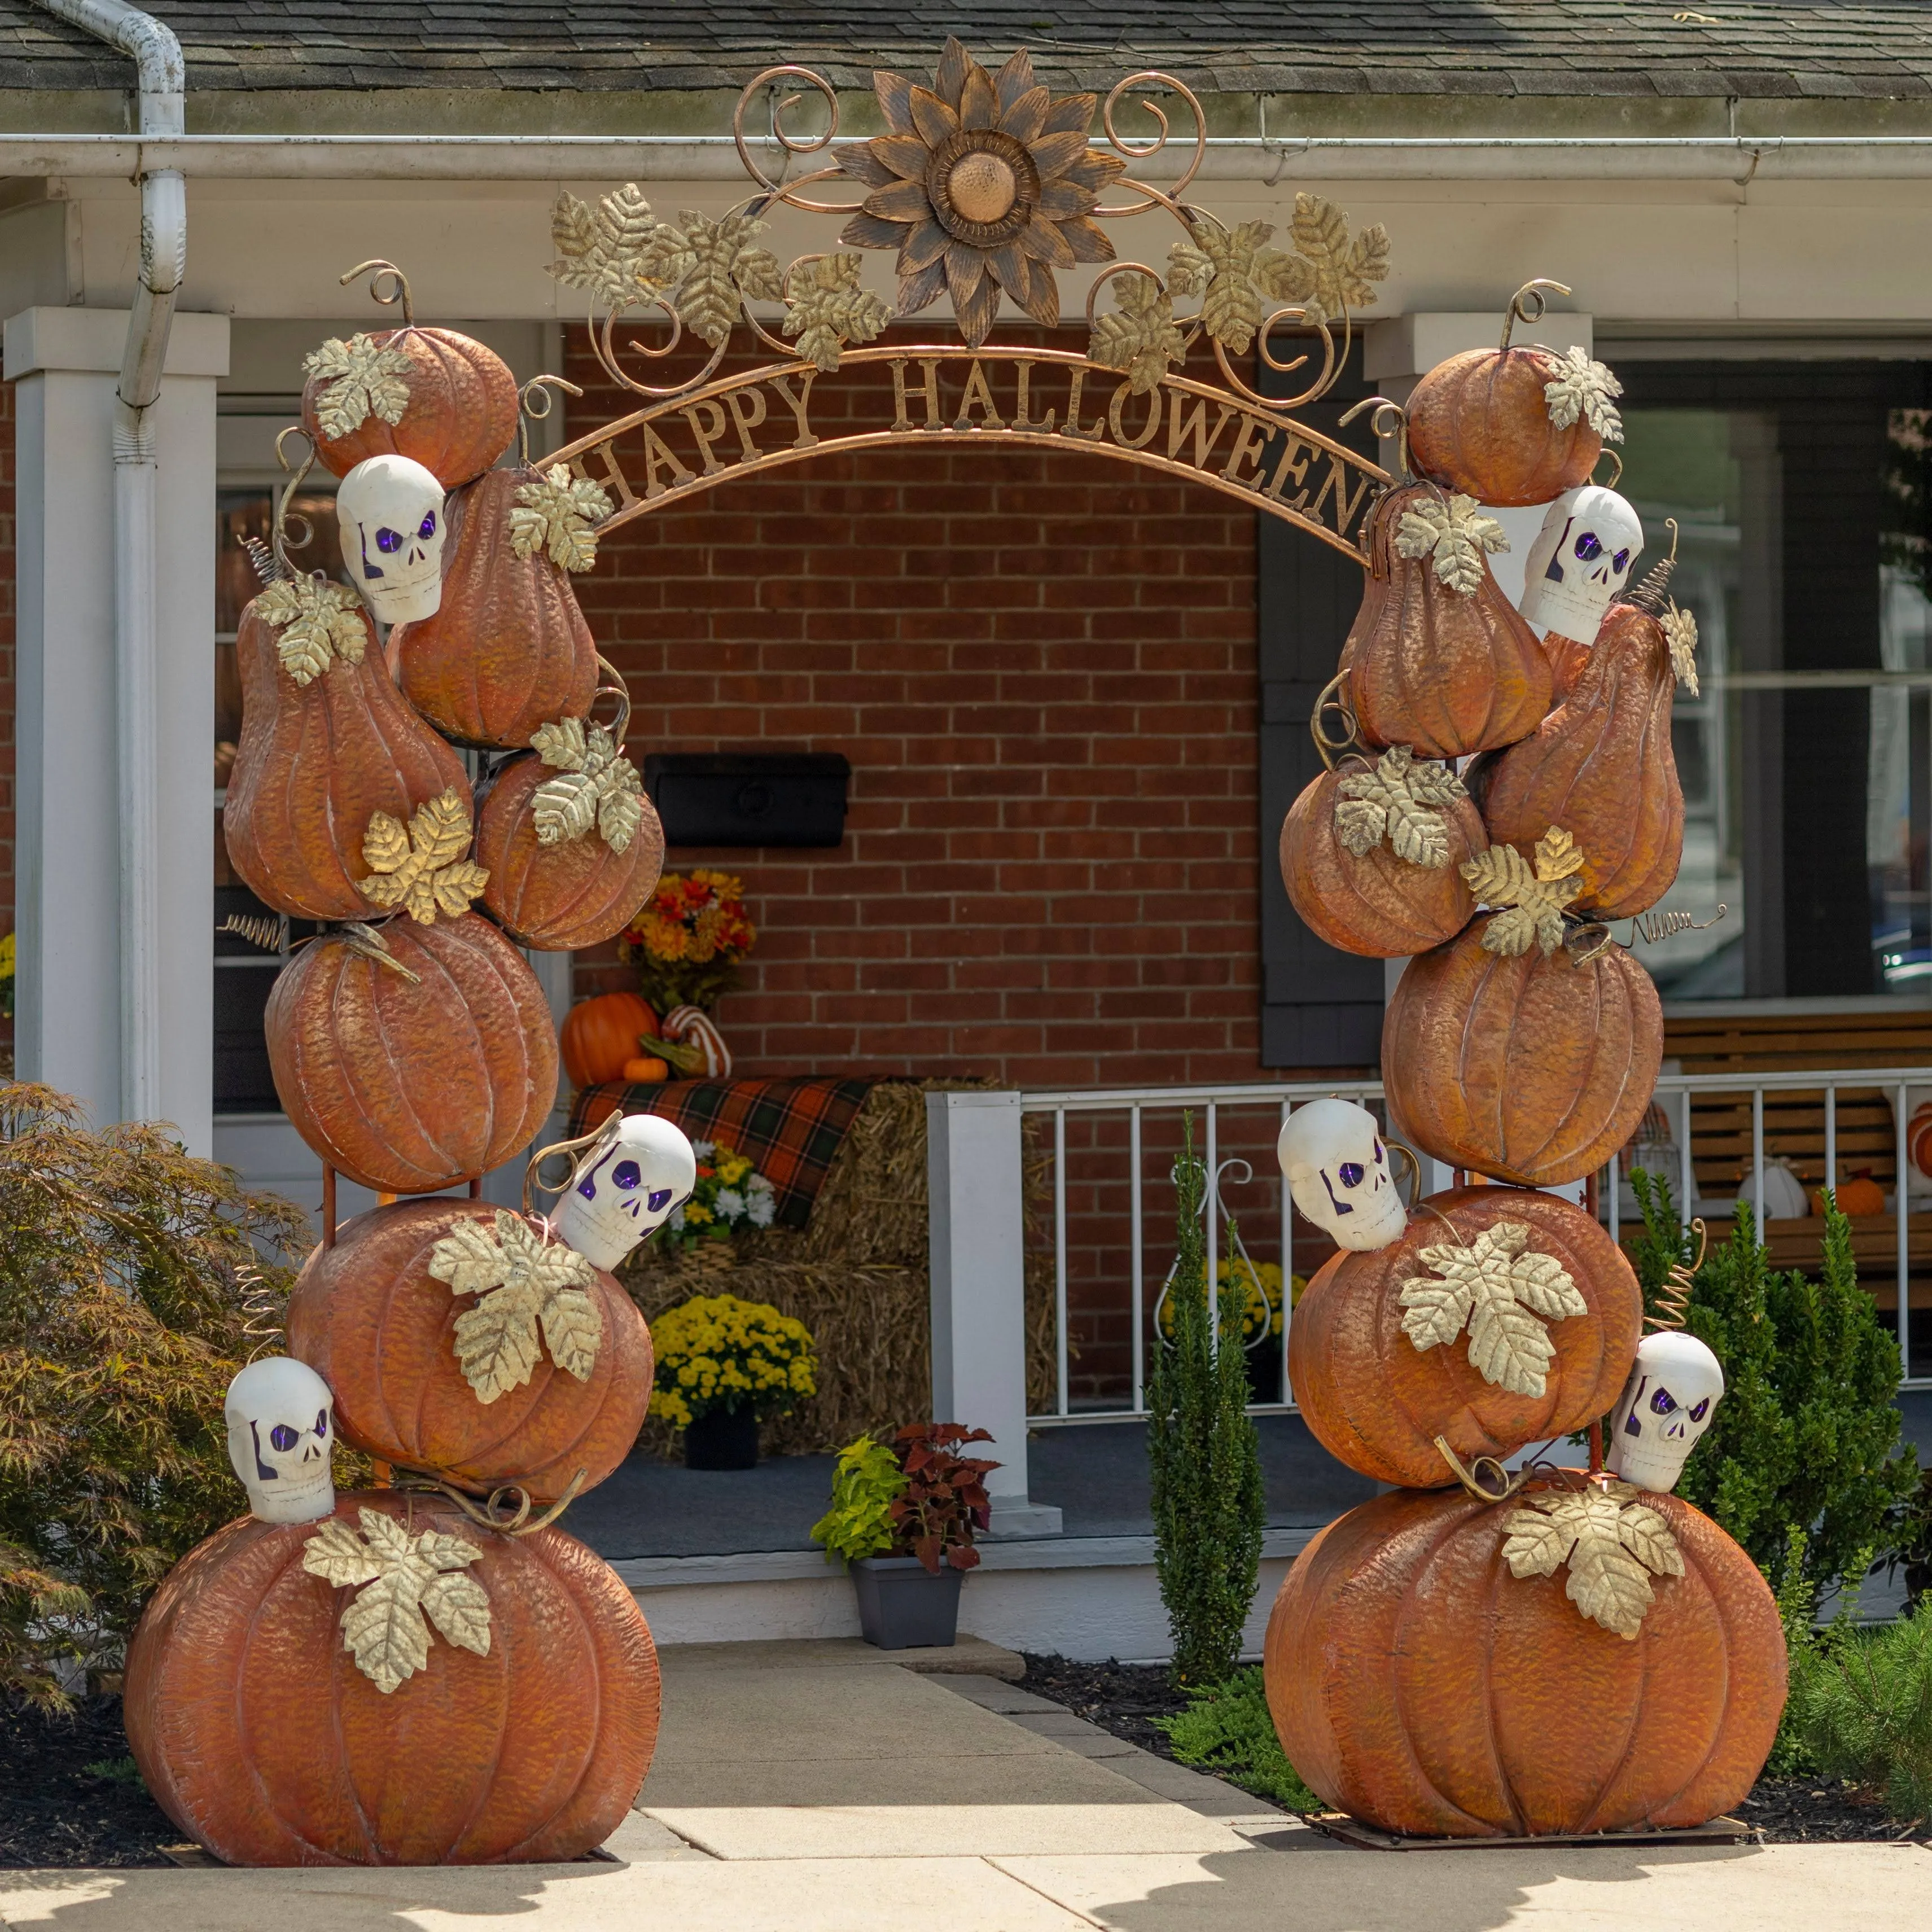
{"x":1480,"y":423}
{"x":600,"y":1034}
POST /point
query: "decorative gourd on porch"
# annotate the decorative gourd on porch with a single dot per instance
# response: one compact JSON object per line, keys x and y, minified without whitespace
{"x":327,"y":742}
{"x":600,"y":1034}
{"x":458,"y":1339}
{"x":1501,"y":1316}
{"x":1369,"y":852}
{"x":1433,"y":1670}
{"x":503,"y":1708}
{"x":508,"y":650}
{"x":1601,"y":765}
{"x":1438,"y":659}
{"x":1523,"y":1049}
{"x":414,"y":1058}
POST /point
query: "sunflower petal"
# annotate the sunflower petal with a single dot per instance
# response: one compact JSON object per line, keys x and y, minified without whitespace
{"x":978,"y":106}
{"x":1088,"y":240}
{"x":1027,"y":117}
{"x":1041,"y":299}
{"x":905,"y":154}
{"x":1060,"y":200}
{"x":1073,"y":113}
{"x":965,"y":270}
{"x":1044,"y":242}
{"x":956,"y":65}
{"x":922,"y":247}
{"x":898,"y":201}
{"x":1094,"y":169}
{"x":1009,"y":265}
{"x":1053,"y":154}
{"x":1013,"y":80}
{"x":869,"y":231}
{"x":895,"y":95}
{"x":976,"y":314}
{"x":919,"y":291}
{"x":932,"y":120}
{"x":862,"y":164}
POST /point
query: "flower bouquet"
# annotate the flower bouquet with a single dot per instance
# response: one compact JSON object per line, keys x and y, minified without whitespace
{"x":688,"y":941}
{"x":723,"y":1364}
{"x":730,"y":1194}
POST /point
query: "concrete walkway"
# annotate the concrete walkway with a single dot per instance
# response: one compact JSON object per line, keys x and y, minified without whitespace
{"x":828,"y":1787}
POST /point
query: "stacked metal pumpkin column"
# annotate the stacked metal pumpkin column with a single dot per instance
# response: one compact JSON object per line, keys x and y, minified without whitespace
{"x":1557,"y":1650}
{"x":428,"y":1671}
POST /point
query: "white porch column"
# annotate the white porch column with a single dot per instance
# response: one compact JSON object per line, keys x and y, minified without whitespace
{"x":67,"y":1004}
{"x":974,"y":1180}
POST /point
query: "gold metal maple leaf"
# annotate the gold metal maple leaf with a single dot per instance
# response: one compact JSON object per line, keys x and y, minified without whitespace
{"x":1497,"y":1285}
{"x":422,"y":867}
{"x":595,"y":785}
{"x":1396,"y":798}
{"x":1612,"y":1543}
{"x":315,"y":622}
{"x":1457,"y":530}
{"x":523,"y":1282}
{"x":363,"y":381}
{"x":558,"y":513}
{"x":1680,"y":633}
{"x":1533,"y":901}
{"x":1583,"y":390}
{"x":826,"y":308}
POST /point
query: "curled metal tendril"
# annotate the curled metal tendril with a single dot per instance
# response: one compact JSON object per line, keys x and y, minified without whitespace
{"x":1390,"y":419}
{"x":612,"y":685}
{"x":1294,"y":313}
{"x":1673,"y":1298}
{"x":496,"y":1512}
{"x":1654,"y":928}
{"x":262,"y":1311}
{"x":1588,"y":940}
{"x":1141,"y":150}
{"x":1528,"y":304}
{"x":534,"y":402}
{"x":532,"y":1177}
{"x":792,"y":144}
{"x":607,"y":355}
{"x":286,"y":520}
{"x":1616,"y":475}
{"x":398,"y":288}
{"x":1334,"y":698}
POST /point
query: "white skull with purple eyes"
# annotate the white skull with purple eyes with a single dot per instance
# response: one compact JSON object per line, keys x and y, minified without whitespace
{"x":1666,"y":1406}
{"x":279,"y":1413}
{"x":1581,"y":558}
{"x":390,"y":513}
{"x":637,"y":1173}
{"x":1338,"y":1170}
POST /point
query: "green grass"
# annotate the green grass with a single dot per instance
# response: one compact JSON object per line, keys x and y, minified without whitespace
{"x":1226,"y":1729}
{"x":116,"y":1770}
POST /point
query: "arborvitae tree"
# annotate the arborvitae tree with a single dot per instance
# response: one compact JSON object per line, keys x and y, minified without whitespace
{"x":1208,"y":1505}
{"x":1806,"y":1434}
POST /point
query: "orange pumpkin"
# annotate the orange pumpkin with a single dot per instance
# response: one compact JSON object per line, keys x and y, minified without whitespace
{"x":570,"y":895}
{"x":644,"y":1069}
{"x":1374,"y":902}
{"x":261,"y":1738}
{"x":1445,"y":671}
{"x":600,"y":1034}
{"x":460,"y":417}
{"x":1418,"y":1685}
{"x":408,"y":1084}
{"x":1919,"y":1138}
{"x":1860,"y":1195}
{"x":1481,"y":423}
{"x":508,"y":650}
{"x":367,"y":1316}
{"x":1532,"y":1069}
{"x":1601,"y":767}
{"x":1377,"y":1401}
{"x":317,"y":760}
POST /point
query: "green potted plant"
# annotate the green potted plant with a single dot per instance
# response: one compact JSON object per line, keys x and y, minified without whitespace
{"x":903,"y":1519}
{"x":722,"y":1366}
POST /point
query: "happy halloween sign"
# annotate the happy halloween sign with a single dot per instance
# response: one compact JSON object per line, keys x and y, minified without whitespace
{"x":1044,"y":398}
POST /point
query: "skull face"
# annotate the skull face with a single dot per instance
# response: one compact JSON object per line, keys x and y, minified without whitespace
{"x":1666,"y":1404}
{"x":639,"y":1171}
{"x":390,"y":512}
{"x":1581,"y":558}
{"x":280,"y":1419}
{"x":1338,"y":1170}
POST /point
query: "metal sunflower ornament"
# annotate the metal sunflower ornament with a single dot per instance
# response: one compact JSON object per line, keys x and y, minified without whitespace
{"x":986,"y":183}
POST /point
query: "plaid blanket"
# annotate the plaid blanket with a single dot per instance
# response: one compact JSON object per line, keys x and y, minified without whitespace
{"x":789,"y":1129}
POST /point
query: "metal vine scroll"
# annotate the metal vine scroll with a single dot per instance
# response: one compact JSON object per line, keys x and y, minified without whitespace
{"x":987,"y":186}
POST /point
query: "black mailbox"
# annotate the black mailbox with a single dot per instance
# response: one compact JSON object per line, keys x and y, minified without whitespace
{"x":748,"y":798}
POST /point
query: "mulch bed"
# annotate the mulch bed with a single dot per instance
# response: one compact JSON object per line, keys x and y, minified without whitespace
{"x":58,"y":1805}
{"x":1123,"y":1698}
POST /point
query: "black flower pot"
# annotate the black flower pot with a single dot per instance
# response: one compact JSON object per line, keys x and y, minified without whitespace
{"x":722,"y":1439}
{"x":902,"y":1606}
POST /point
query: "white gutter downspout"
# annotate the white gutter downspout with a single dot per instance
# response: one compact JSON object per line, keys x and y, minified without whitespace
{"x":158,"y":58}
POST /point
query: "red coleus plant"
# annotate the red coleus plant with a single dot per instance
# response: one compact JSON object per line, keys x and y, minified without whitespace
{"x":944,"y":1500}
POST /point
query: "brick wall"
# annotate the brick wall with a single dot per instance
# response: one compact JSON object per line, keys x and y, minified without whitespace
{"x":1042,"y":667}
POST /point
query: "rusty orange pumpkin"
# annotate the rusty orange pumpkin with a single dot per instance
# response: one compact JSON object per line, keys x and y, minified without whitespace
{"x":1443,"y":671}
{"x":1376,"y":1402}
{"x":261,"y":1738}
{"x":316,"y":762}
{"x":460,"y":415}
{"x":507,"y":649}
{"x":366,"y":1315}
{"x":1419,"y":1686}
{"x":1531,"y":1069}
{"x":410,"y":1084}
{"x":1601,"y":767}
{"x":1480,"y":423}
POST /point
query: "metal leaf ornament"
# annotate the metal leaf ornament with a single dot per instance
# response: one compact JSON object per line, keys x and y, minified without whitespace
{"x":1680,"y":633}
{"x":1583,"y":390}
{"x":1533,"y":900}
{"x":315,"y":623}
{"x":726,"y":271}
{"x":400,"y":1580}
{"x":1612,"y":1545}
{"x":1396,"y":798}
{"x":558,"y":513}
{"x":364,"y":381}
{"x":595,"y":785}
{"x":1139,"y":337}
{"x":1343,"y":272}
{"x":523,"y":1283}
{"x":422,"y":867}
{"x":826,"y":308}
{"x":1498,"y":1285}
{"x":619,"y":249}
{"x":1455,"y":529}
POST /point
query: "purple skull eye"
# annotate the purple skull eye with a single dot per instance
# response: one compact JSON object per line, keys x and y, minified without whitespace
{"x":427,"y":528}
{"x":587,"y":1187}
{"x":389,"y":540}
{"x":321,"y":1424}
{"x":625,"y":1174}
{"x":660,"y":1199}
{"x":1697,"y":1414}
{"x":1351,"y":1172}
{"x":1664,"y":1401}
{"x":1620,"y":560}
{"x":1588,"y":548}
{"x":1378,"y":1154}
{"x":283,"y":1437}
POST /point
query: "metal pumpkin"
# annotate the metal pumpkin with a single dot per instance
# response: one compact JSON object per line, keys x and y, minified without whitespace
{"x":1501,"y":1317}
{"x":421,"y":1057}
{"x":457,"y":1339}
{"x":1421,"y":1682}
{"x":496,"y":1700}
